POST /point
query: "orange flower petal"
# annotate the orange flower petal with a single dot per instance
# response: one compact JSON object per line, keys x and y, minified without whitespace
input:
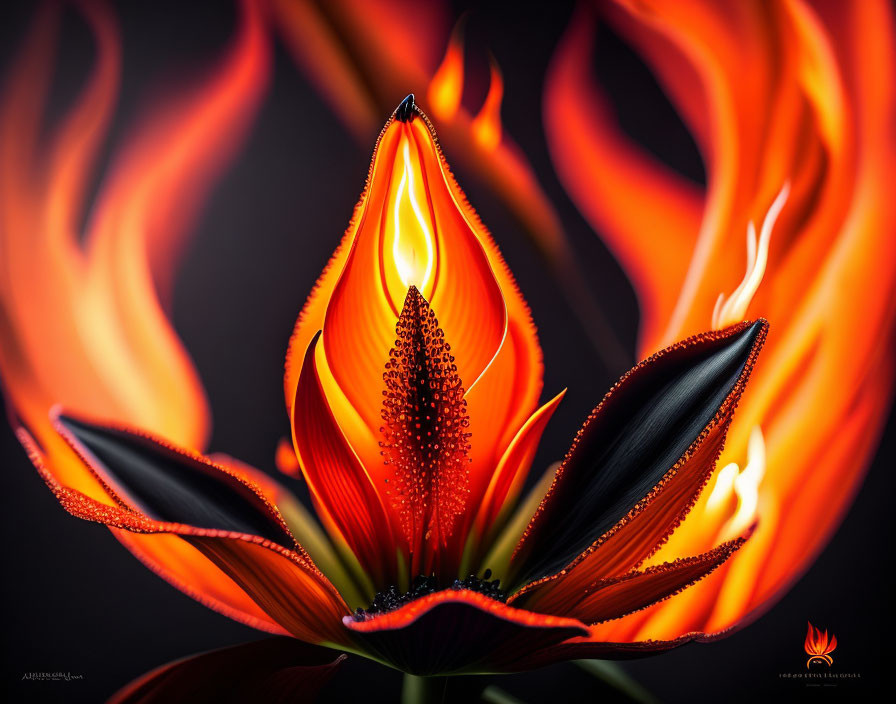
{"x":292,"y":592}
{"x":614,"y":597}
{"x":507,"y":480}
{"x":410,"y":230}
{"x":347,"y":501}
{"x":288,"y":590}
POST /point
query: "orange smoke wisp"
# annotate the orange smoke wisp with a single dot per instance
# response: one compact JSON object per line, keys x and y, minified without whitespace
{"x":803,"y":142}
{"x":82,"y":322}
{"x":82,"y":318}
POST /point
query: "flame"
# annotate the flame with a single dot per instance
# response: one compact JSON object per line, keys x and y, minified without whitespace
{"x":816,"y":111}
{"x":746,"y":486}
{"x":82,"y":318}
{"x":487,"y":123}
{"x":412,"y":241}
{"x":818,"y":646}
{"x":734,"y":309}
{"x":447,"y":85}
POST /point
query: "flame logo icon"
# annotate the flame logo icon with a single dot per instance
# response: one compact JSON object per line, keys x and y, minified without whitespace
{"x":819,"y":646}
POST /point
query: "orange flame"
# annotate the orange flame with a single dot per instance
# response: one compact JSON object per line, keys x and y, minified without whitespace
{"x":818,"y":646}
{"x":487,"y":124}
{"x":447,"y":85}
{"x":82,"y":321}
{"x":82,"y":324}
{"x":815,"y":115}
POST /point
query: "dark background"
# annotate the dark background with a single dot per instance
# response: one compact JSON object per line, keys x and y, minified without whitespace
{"x":74,"y":600}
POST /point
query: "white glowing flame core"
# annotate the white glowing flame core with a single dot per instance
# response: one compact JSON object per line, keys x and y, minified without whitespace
{"x":733,"y":310}
{"x":407,"y":262}
{"x":745,"y":484}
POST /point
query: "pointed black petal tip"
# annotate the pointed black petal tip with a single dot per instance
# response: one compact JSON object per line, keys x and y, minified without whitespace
{"x":406,"y":109}
{"x":169,"y":486}
{"x":753,"y":335}
{"x":755,"y":327}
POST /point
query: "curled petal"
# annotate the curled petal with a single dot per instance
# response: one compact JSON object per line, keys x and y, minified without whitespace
{"x":499,"y":402}
{"x":593,"y":646}
{"x":346,"y":499}
{"x":614,"y":597}
{"x":294,"y":594}
{"x":168,"y":486}
{"x":277,"y":670}
{"x":644,"y":529}
{"x":654,"y":419}
{"x":507,"y":479}
{"x":279,"y":588}
{"x":459,"y":631}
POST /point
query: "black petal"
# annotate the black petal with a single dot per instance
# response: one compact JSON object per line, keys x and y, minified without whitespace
{"x":406,"y":109}
{"x":169,"y":486}
{"x":642,"y":428}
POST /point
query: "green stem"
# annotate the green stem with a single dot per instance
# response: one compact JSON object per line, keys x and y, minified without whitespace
{"x":422,"y":690}
{"x":617,"y":678}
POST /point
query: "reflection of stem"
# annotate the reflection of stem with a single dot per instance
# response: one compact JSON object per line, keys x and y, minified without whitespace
{"x":496,"y":695}
{"x":611,"y":674}
{"x":423,"y":690}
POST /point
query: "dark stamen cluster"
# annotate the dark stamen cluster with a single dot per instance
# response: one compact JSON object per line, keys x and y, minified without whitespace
{"x":423,"y":585}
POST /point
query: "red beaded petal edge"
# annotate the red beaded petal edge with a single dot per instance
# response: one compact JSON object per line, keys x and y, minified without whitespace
{"x":725,"y":410}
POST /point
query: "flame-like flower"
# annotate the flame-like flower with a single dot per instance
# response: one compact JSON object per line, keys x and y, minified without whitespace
{"x":819,"y":646}
{"x":412,"y":383}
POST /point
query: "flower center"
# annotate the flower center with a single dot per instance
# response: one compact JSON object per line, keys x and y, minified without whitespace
{"x":423,"y":585}
{"x":425,"y":437}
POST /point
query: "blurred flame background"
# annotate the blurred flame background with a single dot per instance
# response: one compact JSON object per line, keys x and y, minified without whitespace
{"x":98,"y":206}
{"x":775,"y":94}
